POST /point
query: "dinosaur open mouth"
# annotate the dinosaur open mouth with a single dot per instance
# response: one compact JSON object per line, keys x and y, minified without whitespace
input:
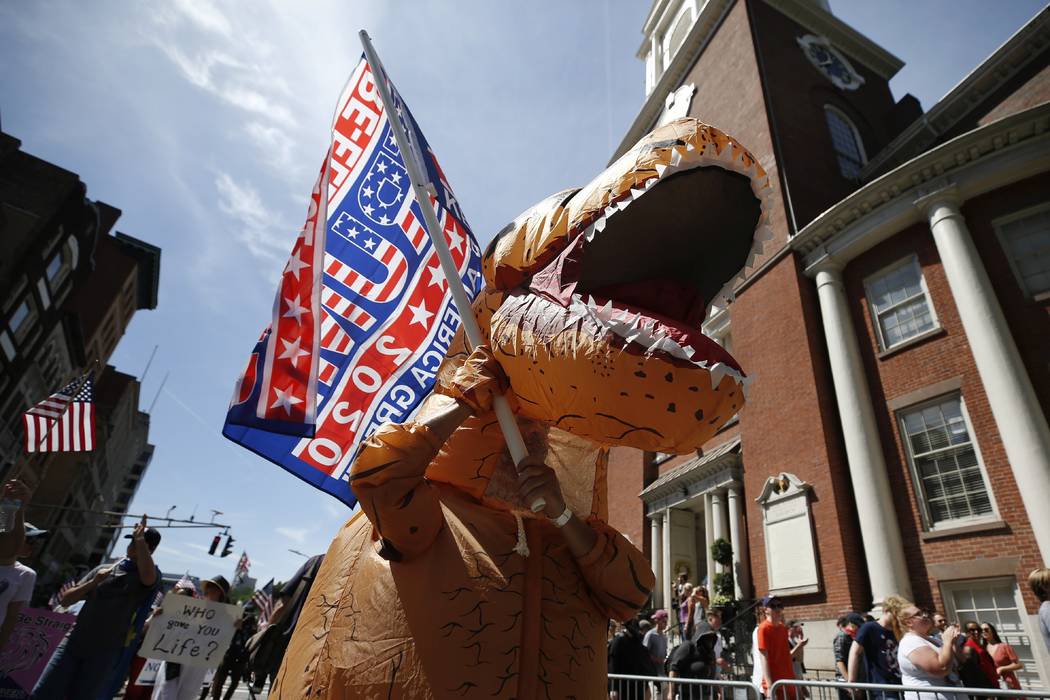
{"x":658,"y":261}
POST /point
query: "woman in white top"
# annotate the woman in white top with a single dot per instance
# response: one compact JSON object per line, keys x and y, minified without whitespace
{"x":922,"y":662}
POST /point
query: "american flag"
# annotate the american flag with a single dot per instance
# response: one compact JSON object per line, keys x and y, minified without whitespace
{"x":363,"y":315}
{"x":241,"y":572}
{"x":56,"y":598}
{"x":64,"y":421}
{"x":263,"y":600}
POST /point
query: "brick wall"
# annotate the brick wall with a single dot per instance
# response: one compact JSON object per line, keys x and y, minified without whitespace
{"x":798,"y":93}
{"x":1035,"y":90}
{"x":946,"y":356}
{"x":790,"y":424}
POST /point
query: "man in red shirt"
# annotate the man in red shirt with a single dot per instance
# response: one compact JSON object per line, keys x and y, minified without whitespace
{"x":774,"y":647}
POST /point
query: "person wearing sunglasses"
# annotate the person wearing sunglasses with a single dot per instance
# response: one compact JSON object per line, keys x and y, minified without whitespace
{"x":976,"y":668}
{"x":1003,"y":655}
{"x":922,"y":662}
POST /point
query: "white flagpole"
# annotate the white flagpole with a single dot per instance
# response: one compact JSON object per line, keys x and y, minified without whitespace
{"x":511,"y":433}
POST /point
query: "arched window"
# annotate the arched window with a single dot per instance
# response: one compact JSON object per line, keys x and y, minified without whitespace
{"x":849,"y":148}
{"x":676,"y":31}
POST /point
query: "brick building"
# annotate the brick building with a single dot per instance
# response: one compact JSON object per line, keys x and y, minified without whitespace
{"x":69,"y":287}
{"x":895,"y":439}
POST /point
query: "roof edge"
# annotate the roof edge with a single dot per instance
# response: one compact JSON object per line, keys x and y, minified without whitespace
{"x":957,"y":154}
{"x":1024,"y":46}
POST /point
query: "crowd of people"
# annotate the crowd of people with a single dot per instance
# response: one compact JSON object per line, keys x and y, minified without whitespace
{"x":114,"y":606}
{"x":906,"y":645}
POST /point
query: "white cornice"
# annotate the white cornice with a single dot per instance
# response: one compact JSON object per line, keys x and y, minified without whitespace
{"x":703,"y":29}
{"x":842,"y":36}
{"x":719,"y":467}
{"x":976,"y":162}
{"x":1015,"y":53}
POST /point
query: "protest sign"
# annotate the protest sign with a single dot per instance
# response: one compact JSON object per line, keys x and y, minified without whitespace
{"x":33,"y":640}
{"x":148,"y":674}
{"x":190,"y":631}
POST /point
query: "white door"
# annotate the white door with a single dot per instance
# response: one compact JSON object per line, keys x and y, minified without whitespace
{"x":996,"y":601}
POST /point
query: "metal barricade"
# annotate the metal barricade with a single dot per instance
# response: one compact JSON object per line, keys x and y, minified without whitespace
{"x":626,"y":687}
{"x":841,"y":690}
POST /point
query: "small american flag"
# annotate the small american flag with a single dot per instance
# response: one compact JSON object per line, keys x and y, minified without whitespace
{"x":263,"y":599}
{"x":64,"y":421}
{"x":56,"y":599}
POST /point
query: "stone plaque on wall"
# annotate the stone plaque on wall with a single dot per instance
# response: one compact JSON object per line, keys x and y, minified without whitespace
{"x":791,"y":558}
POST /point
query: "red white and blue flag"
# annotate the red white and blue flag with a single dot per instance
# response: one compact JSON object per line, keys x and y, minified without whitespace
{"x":64,"y":421}
{"x":363,"y":315}
{"x":263,"y":600}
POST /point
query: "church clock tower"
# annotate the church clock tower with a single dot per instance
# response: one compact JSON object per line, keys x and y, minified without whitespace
{"x":809,"y":96}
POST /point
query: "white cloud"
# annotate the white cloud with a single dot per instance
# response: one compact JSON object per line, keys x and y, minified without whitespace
{"x":259,"y":229}
{"x":275,"y":147}
{"x":205,"y":15}
{"x":295,"y":534}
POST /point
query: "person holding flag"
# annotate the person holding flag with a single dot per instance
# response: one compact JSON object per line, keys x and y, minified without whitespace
{"x":494,"y":564}
{"x":116,"y":599}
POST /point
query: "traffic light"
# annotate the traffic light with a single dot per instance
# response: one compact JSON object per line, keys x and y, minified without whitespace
{"x":228,"y":549}
{"x":214,"y":544}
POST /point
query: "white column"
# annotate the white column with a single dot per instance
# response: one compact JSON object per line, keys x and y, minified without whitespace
{"x":1018,"y":415}
{"x":709,"y":538}
{"x":883,"y":550}
{"x":718,"y":520}
{"x":656,"y":548}
{"x":738,"y":537}
{"x":665,"y":557}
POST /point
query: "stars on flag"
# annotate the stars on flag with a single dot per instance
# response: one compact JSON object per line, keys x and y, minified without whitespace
{"x":295,"y":264}
{"x":437,"y":277}
{"x":285,"y":399}
{"x":420,"y":314}
{"x":455,"y":241}
{"x":293,"y":351}
{"x":295,"y":310}
{"x":370,"y":243}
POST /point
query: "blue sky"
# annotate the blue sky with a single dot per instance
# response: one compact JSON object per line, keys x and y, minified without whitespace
{"x":205,"y":123}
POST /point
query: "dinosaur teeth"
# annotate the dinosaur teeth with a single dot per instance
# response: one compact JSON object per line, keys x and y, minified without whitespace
{"x":717,"y":372}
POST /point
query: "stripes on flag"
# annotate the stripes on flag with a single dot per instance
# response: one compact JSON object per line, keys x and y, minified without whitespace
{"x":343,"y":308}
{"x":70,"y":430}
{"x":56,"y":598}
{"x":263,"y":600}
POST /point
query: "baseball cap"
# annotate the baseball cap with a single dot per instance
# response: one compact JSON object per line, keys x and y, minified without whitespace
{"x":771,"y":601}
{"x":33,"y":531}
{"x":660,"y":615}
{"x":152,"y":537}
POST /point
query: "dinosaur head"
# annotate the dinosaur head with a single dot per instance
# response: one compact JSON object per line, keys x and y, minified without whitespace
{"x":597,"y":295}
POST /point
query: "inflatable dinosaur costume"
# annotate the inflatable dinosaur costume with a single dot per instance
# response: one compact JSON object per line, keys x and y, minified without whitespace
{"x":593,"y":304}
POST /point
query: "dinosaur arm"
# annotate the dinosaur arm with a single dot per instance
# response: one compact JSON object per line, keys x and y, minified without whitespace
{"x":388,"y":480}
{"x":618,"y":575}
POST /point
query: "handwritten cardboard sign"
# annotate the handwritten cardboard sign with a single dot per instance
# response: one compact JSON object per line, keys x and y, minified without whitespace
{"x":33,"y":640}
{"x":190,"y":631}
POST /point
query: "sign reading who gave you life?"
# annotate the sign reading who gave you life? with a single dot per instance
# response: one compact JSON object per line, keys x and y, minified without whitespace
{"x":190,"y":631}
